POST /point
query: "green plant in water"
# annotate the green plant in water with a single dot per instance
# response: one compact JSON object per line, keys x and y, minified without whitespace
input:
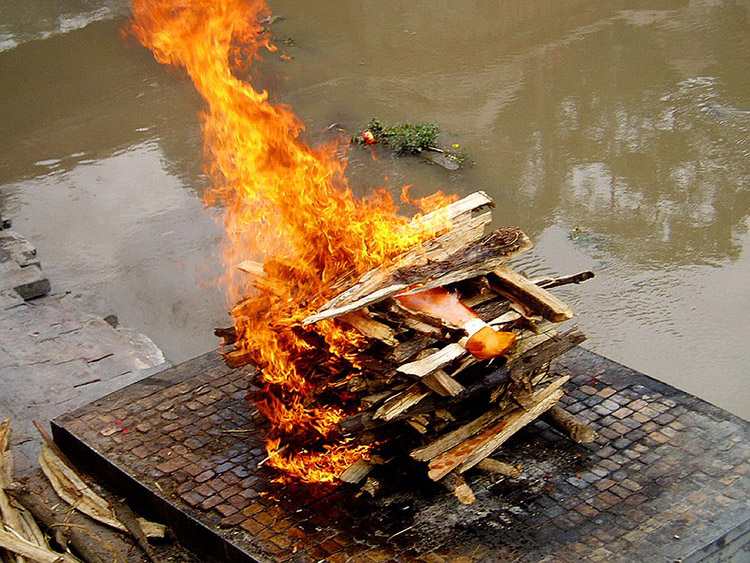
{"x":403,"y":138}
{"x":406,"y":138}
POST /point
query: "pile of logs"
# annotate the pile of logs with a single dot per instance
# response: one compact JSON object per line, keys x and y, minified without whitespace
{"x":33,"y":530}
{"x":423,"y":398}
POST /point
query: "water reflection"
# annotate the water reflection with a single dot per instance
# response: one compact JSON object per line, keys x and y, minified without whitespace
{"x":628,"y":121}
{"x":82,"y":96}
{"x":30,"y":20}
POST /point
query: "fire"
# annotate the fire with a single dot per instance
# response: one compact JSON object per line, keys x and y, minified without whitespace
{"x":288,"y":205}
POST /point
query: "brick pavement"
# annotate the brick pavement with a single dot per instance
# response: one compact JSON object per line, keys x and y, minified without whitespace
{"x":668,"y":479}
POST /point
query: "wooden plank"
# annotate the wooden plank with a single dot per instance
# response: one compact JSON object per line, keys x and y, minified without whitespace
{"x":433,"y":362}
{"x":370,"y":328}
{"x":419,"y":269}
{"x":516,"y":287}
{"x":474,"y":449}
{"x":443,"y":384}
{"x":402,"y":402}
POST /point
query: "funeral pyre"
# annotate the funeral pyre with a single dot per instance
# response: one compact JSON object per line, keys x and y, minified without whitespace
{"x":359,"y":320}
{"x":452,"y":358}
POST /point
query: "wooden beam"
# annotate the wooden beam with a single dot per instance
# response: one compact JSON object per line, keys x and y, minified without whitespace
{"x":516,"y":287}
{"x":418,"y":268}
{"x":370,"y":328}
{"x":474,"y":449}
{"x":401,"y":402}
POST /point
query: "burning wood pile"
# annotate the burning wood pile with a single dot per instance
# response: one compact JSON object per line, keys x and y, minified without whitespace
{"x":376,"y":339}
{"x":452,"y":358}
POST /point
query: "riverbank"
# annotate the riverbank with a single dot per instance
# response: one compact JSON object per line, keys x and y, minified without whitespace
{"x":57,"y":351}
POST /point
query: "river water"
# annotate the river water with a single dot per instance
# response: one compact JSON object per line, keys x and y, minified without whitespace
{"x":616,"y":134}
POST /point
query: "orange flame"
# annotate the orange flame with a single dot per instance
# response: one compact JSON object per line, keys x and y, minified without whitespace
{"x":288,"y":205}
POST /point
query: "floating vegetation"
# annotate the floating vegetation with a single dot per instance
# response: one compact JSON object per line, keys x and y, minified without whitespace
{"x":411,"y":139}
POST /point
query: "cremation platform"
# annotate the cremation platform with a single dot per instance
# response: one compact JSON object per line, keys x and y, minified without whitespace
{"x":668,"y":479}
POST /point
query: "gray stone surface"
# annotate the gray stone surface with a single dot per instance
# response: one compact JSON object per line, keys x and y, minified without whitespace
{"x":55,"y":353}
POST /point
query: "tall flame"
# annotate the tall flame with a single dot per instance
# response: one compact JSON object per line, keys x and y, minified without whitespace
{"x":288,"y":205}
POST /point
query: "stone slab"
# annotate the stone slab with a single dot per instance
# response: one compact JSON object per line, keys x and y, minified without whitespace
{"x":18,"y":248}
{"x":29,"y":281}
{"x":668,"y":479}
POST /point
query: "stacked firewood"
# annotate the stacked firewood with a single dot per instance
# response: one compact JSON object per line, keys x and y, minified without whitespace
{"x":423,"y":396}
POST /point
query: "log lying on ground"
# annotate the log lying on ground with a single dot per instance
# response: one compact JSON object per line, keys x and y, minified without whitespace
{"x":570,"y":425}
{"x":64,"y":532}
{"x":489,"y":465}
{"x":456,"y":484}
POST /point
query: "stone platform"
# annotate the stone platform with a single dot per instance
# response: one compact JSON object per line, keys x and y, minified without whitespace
{"x":668,"y":480}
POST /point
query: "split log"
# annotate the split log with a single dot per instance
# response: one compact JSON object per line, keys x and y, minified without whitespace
{"x":238,"y":358}
{"x":435,"y":361}
{"x":402,"y":402}
{"x":517,"y":288}
{"x":443,"y":384}
{"x":371,"y":487}
{"x":410,"y":348}
{"x":457,"y":436}
{"x":252,"y":267}
{"x":356,"y":471}
{"x":457,"y":219}
{"x":456,"y":484}
{"x":473,"y":450}
{"x":64,"y":532}
{"x":419,"y":423}
{"x":479,"y":258}
{"x":369,"y":327}
{"x":570,"y":425}
{"x":447,"y":214}
{"x":491,"y":305}
{"x":228,"y":335}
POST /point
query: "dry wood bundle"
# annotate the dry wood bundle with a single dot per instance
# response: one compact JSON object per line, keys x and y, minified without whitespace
{"x":420,"y":390}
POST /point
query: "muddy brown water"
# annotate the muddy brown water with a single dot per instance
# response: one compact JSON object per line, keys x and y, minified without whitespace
{"x":616,"y":134}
